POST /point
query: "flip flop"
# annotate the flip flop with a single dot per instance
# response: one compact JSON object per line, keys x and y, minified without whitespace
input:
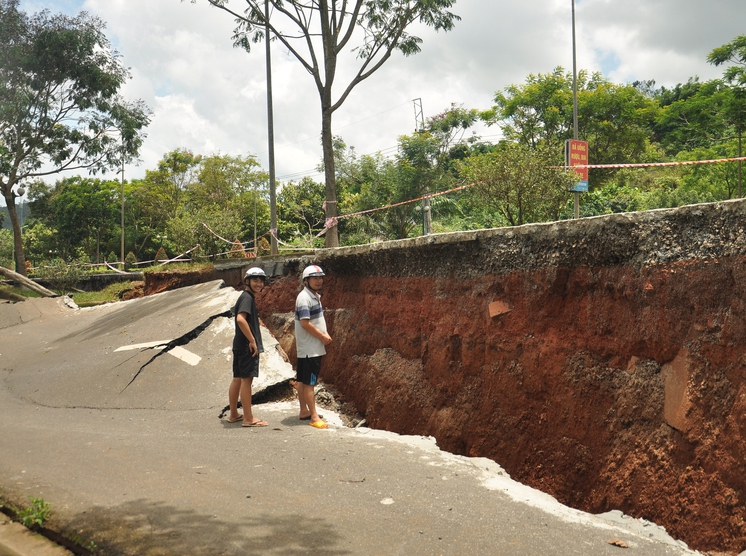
{"x":309,"y":418}
{"x":258,"y":423}
{"x":236,"y":420}
{"x":319,"y":424}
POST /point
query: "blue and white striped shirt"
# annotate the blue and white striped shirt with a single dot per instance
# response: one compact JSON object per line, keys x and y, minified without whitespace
{"x":308,"y":306}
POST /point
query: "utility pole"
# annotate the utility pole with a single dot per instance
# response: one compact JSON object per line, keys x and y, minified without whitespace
{"x":575,"y":101}
{"x":271,"y":141}
{"x":419,"y":127}
{"x":122,"y":212}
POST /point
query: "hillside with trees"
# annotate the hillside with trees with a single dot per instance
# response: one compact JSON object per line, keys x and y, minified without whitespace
{"x":206,"y":206}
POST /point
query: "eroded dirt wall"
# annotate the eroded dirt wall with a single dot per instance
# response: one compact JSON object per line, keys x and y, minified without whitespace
{"x":601,"y":360}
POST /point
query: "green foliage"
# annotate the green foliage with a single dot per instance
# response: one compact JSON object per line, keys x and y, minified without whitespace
{"x":229,"y":195}
{"x":691,"y":116}
{"x":6,"y":248}
{"x":34,"y":515}
{"x":538,"y":112}
{"x":614,"y":119}
{"x":519,"y":183}
{"x":609,"y":199}
{"x":61,"y":277}
{"x":161,"y":196}
{"x":425,"y":163}
{"x":374,"y":181}
{"x":735,"y":53}
{"x":223,"y":178}
{"x":130,"y":261}
{"x":190,"y":230}
{"x":59,"y":85}
{"x":299,"y":210}
{"x":83,"y":211}
{"x":109,"y":294}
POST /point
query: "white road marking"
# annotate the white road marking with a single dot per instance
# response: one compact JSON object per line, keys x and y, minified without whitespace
{"x":185,"y":355}
{"x":179,"y":352}
{"x":142,"y":346}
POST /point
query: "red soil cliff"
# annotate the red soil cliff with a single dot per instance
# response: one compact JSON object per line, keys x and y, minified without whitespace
{"x":601,"y":361}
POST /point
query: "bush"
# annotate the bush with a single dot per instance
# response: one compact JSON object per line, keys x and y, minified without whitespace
{"x":35,"y":515}
{"x":160,"y":256}
{"x":61,"y":276}
{"x":237,"y":250}
{"x":130,"y":261}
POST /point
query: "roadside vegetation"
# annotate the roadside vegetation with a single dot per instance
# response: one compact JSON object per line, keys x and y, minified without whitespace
{"x":35,"y":516}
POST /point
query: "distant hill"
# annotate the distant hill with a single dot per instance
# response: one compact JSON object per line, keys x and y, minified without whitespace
{"x":22,"y":210}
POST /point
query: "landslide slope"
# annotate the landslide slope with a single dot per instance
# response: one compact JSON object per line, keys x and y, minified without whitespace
{"x":601,"y":360}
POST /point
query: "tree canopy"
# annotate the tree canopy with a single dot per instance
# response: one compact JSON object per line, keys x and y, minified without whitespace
{"x":318,"y":33}
{"x":614,"y":119}
{"x":59,"y":102}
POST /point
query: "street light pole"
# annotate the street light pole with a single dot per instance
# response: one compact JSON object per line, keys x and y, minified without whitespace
{"x":271,"y":140}
{"x":122,"y":212}
{"x":575,"y":101}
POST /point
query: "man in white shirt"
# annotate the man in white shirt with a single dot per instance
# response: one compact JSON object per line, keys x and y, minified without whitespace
{"x":310,"y":338}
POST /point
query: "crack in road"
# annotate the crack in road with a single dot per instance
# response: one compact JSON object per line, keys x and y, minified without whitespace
{"x":182,"y":340}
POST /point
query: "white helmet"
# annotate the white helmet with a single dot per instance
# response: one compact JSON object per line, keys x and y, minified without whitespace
{"x":255,"y":272}
{"x":312,"y":270}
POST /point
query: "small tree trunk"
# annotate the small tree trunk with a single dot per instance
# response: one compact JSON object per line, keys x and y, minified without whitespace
{"x":20,"y":255}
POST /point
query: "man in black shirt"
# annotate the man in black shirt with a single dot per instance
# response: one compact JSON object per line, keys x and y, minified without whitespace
{"x":247,"y":345}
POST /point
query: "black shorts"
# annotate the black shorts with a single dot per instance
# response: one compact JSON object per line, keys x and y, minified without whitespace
{"x":309,"y":369}
{"x":245,"y":365}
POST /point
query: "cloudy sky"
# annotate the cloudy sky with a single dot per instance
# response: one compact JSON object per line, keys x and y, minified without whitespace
{"x":209,"y":97}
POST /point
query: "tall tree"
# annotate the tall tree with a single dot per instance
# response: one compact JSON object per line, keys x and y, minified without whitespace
{"x":735,"y":53}
{"x":59,"y":103}
{"x":691,"y":115}
{"x":299,"y":209}
{"x":316,"y":33}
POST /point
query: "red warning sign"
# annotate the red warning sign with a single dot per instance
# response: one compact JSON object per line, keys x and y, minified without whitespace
{"x":576,"y":154}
